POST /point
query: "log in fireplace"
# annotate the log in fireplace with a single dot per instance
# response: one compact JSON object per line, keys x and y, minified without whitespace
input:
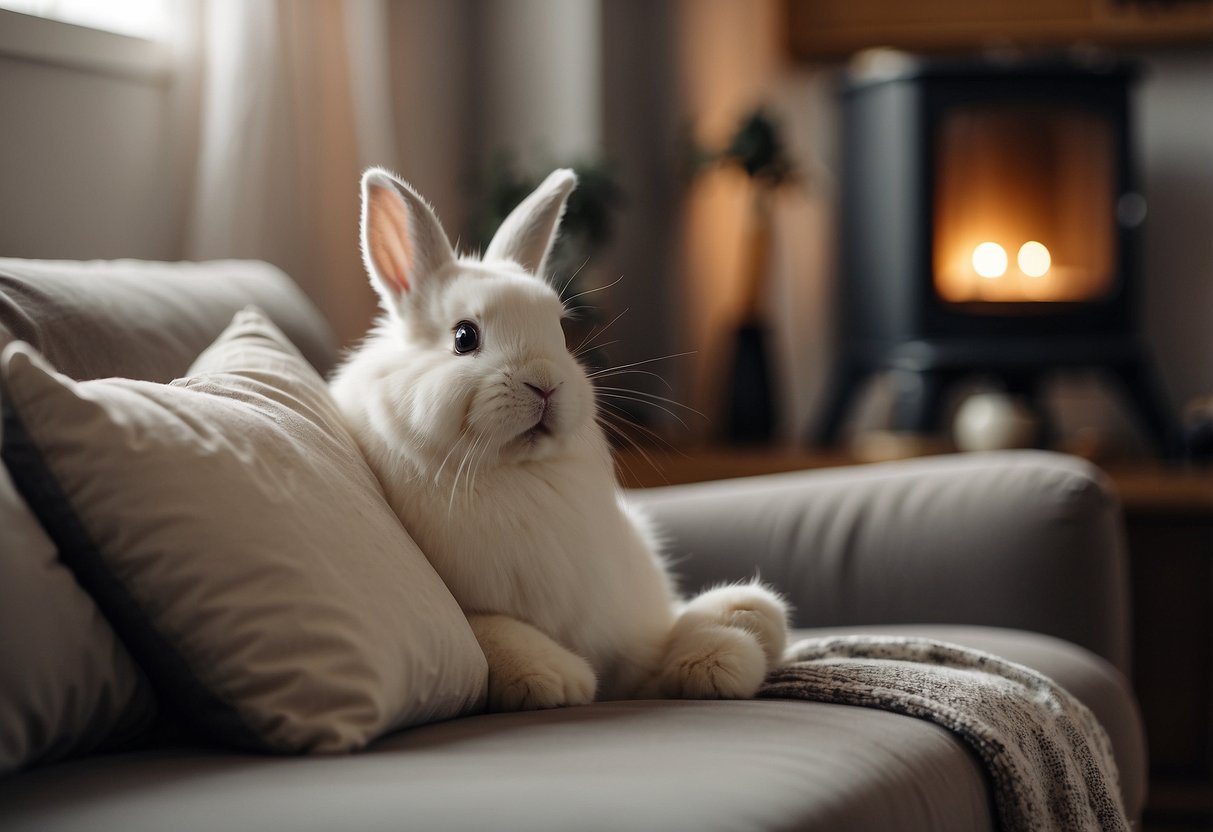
{"x":990,"y":221}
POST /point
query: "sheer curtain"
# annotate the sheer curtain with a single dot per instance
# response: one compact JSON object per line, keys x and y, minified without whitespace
{"x":289,"y":102}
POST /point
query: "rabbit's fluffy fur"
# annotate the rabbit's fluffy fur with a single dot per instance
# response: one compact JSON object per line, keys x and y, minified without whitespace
{"x":493,"y":458}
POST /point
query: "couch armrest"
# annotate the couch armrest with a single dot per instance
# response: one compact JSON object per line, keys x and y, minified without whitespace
{"x":1027,"y":539}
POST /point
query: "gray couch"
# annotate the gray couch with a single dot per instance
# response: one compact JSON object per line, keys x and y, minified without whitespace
{"x":1020,"y":554}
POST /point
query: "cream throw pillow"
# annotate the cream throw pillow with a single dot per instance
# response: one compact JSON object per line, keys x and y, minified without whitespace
{"x":230,"y":530}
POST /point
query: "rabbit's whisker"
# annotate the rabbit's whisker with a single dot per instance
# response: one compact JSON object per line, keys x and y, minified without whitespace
{"x":624,"y":420}
{"x":605,"y":420}
{"x":652,"y":397}
{"x":615,"y":282}
{"x":458,"y":473}
{"x":597,"y":373}
{"x":571,"y":312}
{"x":623,"y":436}
{"x":595,"y":347}
{"x":475,"y":469}
{"x":651,"y":404}
{"x":572,"y":277}
{"x":608,"y":372}
{"x":621,"y":414}
{"x":597,"y":333}
{"x":442,"y":465}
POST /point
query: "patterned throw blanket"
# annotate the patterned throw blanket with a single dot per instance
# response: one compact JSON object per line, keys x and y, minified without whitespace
{"x":1050,"y":761}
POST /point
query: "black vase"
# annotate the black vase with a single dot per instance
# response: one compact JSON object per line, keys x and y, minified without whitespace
{"x":751,"y":406}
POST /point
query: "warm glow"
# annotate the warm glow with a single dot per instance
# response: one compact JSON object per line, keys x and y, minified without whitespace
{"x":990,"y":260}
{"x":1034,"y":259}
{"x":1008,"y":174}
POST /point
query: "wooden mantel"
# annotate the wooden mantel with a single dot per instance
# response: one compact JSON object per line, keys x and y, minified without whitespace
{"x":827,"y":29}
{"x":1143,"y":488}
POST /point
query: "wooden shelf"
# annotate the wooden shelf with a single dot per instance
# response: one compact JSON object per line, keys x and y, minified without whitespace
{"x":649,"y":467}
{"x":1165,"y":492}
{"x":822,"y":29}
{"x":1144,"y":489}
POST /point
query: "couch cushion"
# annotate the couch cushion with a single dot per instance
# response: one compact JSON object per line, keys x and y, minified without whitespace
{"x":692,"y":765}
{"x":229,"y":528}
{"x":146,"y":320}
{"x":755,"y":765}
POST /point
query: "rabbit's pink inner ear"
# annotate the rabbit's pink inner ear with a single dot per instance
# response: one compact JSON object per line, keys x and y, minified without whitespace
{"x":387,"y":238}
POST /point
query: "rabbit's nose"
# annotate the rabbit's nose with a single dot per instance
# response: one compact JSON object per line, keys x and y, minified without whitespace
{"x":543,"y":393}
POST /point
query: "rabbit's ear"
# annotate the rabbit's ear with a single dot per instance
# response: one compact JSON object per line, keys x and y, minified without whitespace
{"x":527,"y":234}
{"x":402,"y":241}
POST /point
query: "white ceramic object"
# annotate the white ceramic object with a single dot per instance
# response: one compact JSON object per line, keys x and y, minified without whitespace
{"x":993,"y":421}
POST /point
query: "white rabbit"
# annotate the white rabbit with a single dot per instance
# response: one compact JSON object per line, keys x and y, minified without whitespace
{"x":483,"y":430}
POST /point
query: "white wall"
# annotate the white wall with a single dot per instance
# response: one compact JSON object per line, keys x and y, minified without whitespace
{"x":431,"y":61}
{"x":540,"y":84}
{"x":86,"y":170}
{"x":470,"y":79}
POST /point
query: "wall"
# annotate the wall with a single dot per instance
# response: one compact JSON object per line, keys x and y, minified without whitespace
{"x":470,"y":79}
{"x":86,"y":170}
{"x":732,"y":60}
{"x":431,"y":60}
{"x":729,"y":61}
{"x":1175,"y":134}
{"x":540,"y":89}
{"x":642,"y":118}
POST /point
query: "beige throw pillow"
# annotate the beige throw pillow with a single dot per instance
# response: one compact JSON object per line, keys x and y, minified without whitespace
{"x":230,"y":530}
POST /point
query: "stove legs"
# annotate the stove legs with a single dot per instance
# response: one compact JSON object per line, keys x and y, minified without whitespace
{"x":844,"y":384}
{"x":918,"y":399}
{"x":1143,"y":390}
{"x":920,"y":394}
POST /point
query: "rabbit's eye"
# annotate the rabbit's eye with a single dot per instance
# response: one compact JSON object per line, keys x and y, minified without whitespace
{"x":467,"y":337}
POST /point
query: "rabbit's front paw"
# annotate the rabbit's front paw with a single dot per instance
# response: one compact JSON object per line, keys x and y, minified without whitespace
{"x":749,"y":607}
{"x":551,"y":682}
{"x":713,"y":662}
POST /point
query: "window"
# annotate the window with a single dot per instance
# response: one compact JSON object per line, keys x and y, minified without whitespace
{"x":137,"y":18}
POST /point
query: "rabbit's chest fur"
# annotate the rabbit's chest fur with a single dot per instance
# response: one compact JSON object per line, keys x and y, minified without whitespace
{"x":549,"y":543}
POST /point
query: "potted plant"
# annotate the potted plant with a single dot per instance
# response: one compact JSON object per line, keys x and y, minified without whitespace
{"x":758,"y":150}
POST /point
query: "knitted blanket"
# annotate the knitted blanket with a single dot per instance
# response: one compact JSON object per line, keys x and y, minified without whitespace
{"x":1049,"y":759}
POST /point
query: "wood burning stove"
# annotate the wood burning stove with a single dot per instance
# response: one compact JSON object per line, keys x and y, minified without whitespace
{"x":989,"y":224}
